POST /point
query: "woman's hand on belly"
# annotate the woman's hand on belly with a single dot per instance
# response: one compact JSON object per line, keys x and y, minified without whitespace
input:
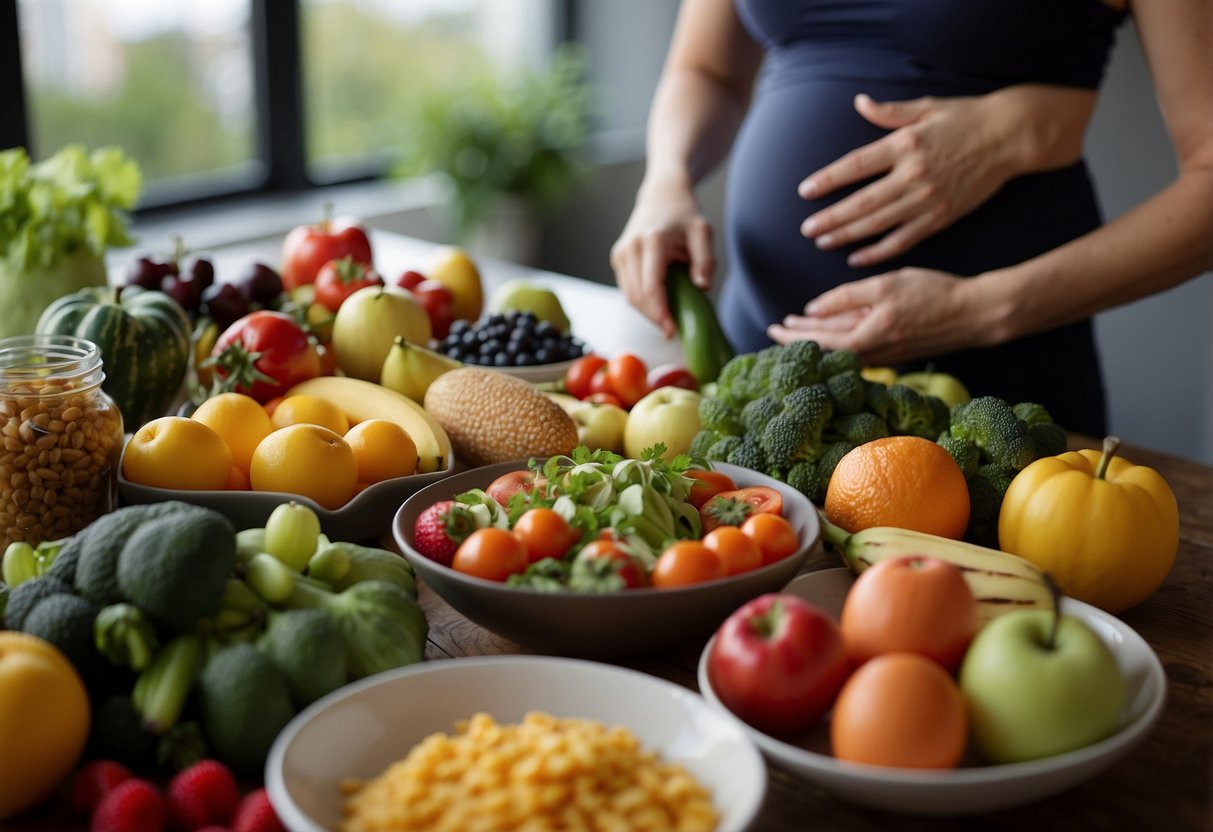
{"x":894,"y":317}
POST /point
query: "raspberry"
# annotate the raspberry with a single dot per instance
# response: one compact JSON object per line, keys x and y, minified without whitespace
{"x":255,"y":814}
{"x":134,"y":804}
{"x":94,"y":781}
{"x":204,"y":794}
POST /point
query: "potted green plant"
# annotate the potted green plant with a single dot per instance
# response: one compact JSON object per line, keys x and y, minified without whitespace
{"x":502,"y":142}
{"x":57,"y":219}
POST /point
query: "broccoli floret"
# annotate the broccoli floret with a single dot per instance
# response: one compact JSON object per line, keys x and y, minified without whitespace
{"x":795,"y":435}
{"x":758,"y":382}
{"x":786,"y":376}
{"x":839,"y":361}
{"x":805,"y":478}
{"x":1049,"y":439}
{"x":858,"y":428}
{"x":985,"y":503}
{"x":804,"y":352}
{"x":847,"y":389}
{"x":748,"y":453}
{"x":998,"y":476}
{"x":702,"y":442}
{"x":830,"y":456}
{"x":877,"y":398}
{"x":756,"y":415}
{"x":1032,"y":413}
{"x":718,"y":415}
{"x":723,"y":447}
{"x":732,"y":384}
{"x":1001,"y":435}
{"x":910,"y":414}
{"x":964,"y":451}
{"x":941,"y":412}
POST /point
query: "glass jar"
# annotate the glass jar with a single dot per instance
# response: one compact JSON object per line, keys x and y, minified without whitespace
{"x":62,"y":438}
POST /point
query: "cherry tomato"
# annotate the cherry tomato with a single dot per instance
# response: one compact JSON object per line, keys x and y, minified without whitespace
{"x":577,"y":376}
{"x":707,"y":485}
{"x":492,"y":553}
{"x":338,"y":279}
{"x":604,"y":398}
{"x":731,"y":508}
{"x":507,"y":485}
{"x":600,"y":382}
{"x":264,"y":354}
{"x":544,"y":533}
{"x":774,"y":536}
{"x":737,"y":550}
{"x":687,"y":562}
{"x":439,"y":304}
{"x":624,"y":565}
{"x":308,"y":247}
{"x":629,"y":377}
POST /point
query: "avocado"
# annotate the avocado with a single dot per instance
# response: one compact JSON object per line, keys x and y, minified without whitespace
{"x":25,"y":596}
{"x":245,"y":702}
{"x":98,"y":546}
{"x":174,"y":567}
{"x":66,"y":621}
{"x":309,"y":651}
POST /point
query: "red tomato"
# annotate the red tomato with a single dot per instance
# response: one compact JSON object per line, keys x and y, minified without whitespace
{"x":672,"y":375}
{"x":778,"y":663}
{"x":772,"y":534}
{"x":308,"y":247}
{"x":338,"y":279}
{"x":491,"y":553}
{"x":409,"y":279}
{"x":439,"y":305}
{"x":577,"y":376}
{"x":507,"y":485}
{"x":914,"y":605}
{"x":731,"y":508}
{"x":264,"y":354}
{"x":736,"y":549}
{"x":624,"y":568}
{"x":687,"y":562}
{"x":629,"y":378}
{"x":600,"y":382}
{"x":707,"y":485}
{"x":544,"y":533}
{"x":604,"y":398}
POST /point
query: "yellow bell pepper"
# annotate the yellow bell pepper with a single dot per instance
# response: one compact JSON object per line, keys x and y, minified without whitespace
{"x":1106,"y":530}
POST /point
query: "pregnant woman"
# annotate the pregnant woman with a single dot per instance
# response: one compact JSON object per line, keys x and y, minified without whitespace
{"x":906,"y":182}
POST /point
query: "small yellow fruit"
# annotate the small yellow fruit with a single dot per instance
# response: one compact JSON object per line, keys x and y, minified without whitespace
{"x":306,"y":409}
{"x":308,"y":460}
{"x":384,"y":450}
{"x":239,"y":420}
{"x":176,"y":452}
{"x":453,"y":268}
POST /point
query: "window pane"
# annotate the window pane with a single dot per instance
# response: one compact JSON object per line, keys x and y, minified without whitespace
{"x":170,"y":82}
{"x":366,"y":61}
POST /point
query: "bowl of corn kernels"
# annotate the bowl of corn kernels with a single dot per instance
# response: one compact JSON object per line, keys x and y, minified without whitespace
{"x":503,"y":741}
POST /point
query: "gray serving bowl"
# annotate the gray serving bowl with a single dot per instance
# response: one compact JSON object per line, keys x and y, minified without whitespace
{"x":627,"y":623}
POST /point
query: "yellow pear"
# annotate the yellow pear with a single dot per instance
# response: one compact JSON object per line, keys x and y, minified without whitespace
{"x":453,"y":268}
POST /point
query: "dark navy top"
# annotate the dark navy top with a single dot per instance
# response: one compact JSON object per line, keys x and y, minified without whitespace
{"x":819,"y":55}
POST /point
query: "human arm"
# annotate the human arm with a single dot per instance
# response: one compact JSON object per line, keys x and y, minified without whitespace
{"x":699,"y":102}
{"x":943,"y":158}
{"x":912,"y":313}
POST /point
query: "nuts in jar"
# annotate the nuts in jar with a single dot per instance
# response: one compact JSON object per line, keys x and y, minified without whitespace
{"x":61,"y":436}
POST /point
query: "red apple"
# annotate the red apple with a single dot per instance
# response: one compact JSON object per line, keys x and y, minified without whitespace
{"x":409,"y":279}
{"x":439,"y":303}
{"x":672,"y":375}
{"x":308,"y":247}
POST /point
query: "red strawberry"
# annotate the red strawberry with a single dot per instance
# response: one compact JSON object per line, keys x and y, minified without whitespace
{"x":440,"y":529}
{"x":134,"y":805}
{"x":94,"y":781}
{"x":215,"y":829}
{"x":255,"y":814}
{"x":203,"y":794}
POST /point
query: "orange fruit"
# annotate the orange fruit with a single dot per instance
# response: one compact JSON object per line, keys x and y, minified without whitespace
{"x":239,"y":420}
{"x":383,"y":449}
{"x":306,"y":409}
{"x":309,"y":460}
{"x":902,"y":481}
{"x":900,"y":709}
{"x":176,"y":452}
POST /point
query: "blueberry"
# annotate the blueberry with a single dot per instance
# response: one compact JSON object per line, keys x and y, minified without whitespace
{"x":524,"y":359}
{"x":544,"y":356}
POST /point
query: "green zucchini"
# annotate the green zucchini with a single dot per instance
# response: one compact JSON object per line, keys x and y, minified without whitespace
{"x":703,"y":341}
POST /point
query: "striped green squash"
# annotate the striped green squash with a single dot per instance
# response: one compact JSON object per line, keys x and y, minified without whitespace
{"x":144,"y":339}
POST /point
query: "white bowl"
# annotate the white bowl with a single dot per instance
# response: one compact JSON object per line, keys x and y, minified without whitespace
{"x":975,"y":789}
{"x":614,"y":624}
{"x":536,"y":373}
{"x":359,"y":730}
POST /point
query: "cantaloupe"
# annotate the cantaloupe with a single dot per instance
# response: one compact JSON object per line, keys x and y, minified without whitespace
{"x":493,"y":417}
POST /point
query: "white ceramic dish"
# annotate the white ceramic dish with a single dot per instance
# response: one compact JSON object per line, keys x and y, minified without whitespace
{"x":538,"y":373}
{"x":362,"y":728}
{"x":976,"y":789}
{"x":615,"y":624}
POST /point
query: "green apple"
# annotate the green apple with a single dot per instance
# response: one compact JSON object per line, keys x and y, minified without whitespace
{"x":668,"y":415}
{"x":599,"y":425}
{"x":367,"y":324}
{"x":1038,"y":684}
{"x":941,"y":385}
{"x":527,"y":297}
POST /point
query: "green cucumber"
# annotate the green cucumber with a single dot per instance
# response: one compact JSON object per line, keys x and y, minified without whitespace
{"x":704,"y":343}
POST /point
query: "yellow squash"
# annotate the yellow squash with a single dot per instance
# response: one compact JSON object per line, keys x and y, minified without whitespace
{"x":1105,"y":529}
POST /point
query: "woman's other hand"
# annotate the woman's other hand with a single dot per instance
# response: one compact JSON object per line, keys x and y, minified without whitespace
{"x":666,"y":226}
{"x":943,"y":158}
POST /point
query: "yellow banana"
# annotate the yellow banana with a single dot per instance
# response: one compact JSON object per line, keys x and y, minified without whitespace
{"x":1001,"y":582}
{"x":361,"y":400}
{"x":410,"y":368}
